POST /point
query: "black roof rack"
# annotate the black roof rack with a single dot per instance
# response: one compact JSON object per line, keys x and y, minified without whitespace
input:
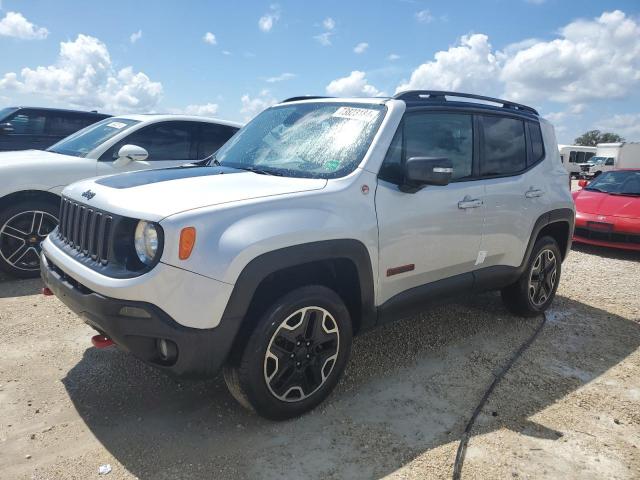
{"x":440,"y":96}
{"x":303,"y":97}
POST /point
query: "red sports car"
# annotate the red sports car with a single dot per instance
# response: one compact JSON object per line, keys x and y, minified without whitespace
{"x":608,"y":210}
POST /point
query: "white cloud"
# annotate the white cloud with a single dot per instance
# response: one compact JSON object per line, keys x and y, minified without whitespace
{"x":627,"y":125}
{"x":353,"y":85}
{"x":324,"y":38}
{"x":226,"y":52}
{"x":469,"y":66}
{"x":393,"y":57}
{"x":266,"y":22}
{"x":203,"y":110}
{"x":361,"y":48}
{"x":84,"y":75}
{"x":135,"y":36}
{"x":280,"y":78}
{"x":424,"y":16}
{"x":209,"y":38}
{"x":329,"y":23}
{"x":252,"y":106}
{"x":15,"y":25}
{"x":592,"y":59}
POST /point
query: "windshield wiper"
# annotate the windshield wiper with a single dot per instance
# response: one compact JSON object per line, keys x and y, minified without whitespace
{"x":260,"y":171}
{"x":594,"y":189}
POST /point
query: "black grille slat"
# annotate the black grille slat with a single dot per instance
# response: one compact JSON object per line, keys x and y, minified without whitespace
{"x":86,"y":230}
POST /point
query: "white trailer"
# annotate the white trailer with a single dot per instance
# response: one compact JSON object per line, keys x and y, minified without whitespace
{"x":574,"y":155}
{"x":612,"y":156}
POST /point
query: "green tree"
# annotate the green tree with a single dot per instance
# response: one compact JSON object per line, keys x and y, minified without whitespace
{"x":594,"y":137}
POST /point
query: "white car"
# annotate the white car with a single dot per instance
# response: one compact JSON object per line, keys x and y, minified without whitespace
{"x":320,"y":219}
{"x":31,"y":181}
{"x":612,"y":156}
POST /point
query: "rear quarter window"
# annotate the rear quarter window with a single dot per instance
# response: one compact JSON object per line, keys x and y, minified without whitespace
{"x":537,"y":144}
{"x":503,"y":149}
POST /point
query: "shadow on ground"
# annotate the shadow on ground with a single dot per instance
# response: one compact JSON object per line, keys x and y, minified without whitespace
{"x":410,"y":387}
{"x":14,"y":287}
{"x":606,"y":252}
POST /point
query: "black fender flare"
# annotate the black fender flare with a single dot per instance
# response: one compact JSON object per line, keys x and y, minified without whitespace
{"x":264,"y":265}
{"x":566,"y":215}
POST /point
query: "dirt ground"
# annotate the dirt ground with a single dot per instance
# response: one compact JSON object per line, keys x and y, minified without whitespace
{"x":569,"y":408}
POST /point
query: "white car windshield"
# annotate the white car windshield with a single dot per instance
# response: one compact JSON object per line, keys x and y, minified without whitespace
{"x":311,"y":140}
{"x":84,"y":141}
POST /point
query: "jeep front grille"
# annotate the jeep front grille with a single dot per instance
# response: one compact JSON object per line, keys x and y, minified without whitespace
{"x":86,"y":229}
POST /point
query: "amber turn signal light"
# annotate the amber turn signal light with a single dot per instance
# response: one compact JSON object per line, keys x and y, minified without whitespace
{"x":187,"y":242}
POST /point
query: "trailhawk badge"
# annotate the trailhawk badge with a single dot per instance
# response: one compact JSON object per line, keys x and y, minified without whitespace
{"x":88,"y":194}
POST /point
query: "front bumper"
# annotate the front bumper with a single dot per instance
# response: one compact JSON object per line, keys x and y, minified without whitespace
{"x":200,"y":352}
{"x":619,"y":235}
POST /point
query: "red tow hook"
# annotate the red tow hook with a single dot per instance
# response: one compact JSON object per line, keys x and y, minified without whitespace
{"x":101,"y":341}
{"x":46,"y":291}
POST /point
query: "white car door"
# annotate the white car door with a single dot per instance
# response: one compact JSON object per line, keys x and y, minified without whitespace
{"x":168,"y":144}
{"x":434,"y":233}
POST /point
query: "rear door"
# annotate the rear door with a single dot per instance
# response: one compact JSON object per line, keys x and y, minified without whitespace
{"x":169,"y":144}
{"x":434,"y":233}
{"x":511,"y":151}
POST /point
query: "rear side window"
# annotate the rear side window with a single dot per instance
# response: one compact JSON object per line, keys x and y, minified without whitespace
{"x":503,"y":150}
{"x":212,"y":137}
{"x":28,"y":122}
{"x":537,"y":146}
{"x":63,"y":124}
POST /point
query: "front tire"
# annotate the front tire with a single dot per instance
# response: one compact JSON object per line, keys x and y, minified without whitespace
{"x":294,"y":356}
{"x":22,"y":228}
{"x":536,"y":288}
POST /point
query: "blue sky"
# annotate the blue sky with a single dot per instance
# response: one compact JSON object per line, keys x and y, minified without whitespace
{"x":578,"y":62}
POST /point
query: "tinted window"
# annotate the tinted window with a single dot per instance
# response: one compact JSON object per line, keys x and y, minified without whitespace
{"x":504,"y":148}
{"x":580,"y":157}
{"x":609,"y":161}
{"x":27,"y":122}
{"x":63,"y":124}
{"x":588,"y":156}
{"x":163,"y":141}
{"x":211,"y":137}
{"x":572,"y":156}
{"x":537,"y":147}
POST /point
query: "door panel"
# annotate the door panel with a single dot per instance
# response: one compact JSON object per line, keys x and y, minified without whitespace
{"x":429,"y":230}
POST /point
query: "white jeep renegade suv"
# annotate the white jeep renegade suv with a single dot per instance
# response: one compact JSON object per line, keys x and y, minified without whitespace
{"x":321,"y":218}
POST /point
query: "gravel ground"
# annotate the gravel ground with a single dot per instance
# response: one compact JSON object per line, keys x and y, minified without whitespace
{"x":570,"y":407}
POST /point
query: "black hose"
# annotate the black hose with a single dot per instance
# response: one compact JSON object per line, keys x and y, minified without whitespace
{"x":464,"y":440}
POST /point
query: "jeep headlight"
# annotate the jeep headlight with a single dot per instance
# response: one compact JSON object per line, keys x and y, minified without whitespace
{"x":146,"y":241}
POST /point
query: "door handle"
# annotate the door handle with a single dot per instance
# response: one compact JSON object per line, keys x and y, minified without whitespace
{"x":534,"y":193}
{"x":468,"y":202}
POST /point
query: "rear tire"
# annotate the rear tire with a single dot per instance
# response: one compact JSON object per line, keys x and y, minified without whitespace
{"x":536,"y":288}
{"x":23,"y":227}
{"x":294,"y":356}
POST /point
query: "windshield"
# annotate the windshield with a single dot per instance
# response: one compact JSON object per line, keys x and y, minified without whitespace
{"x":82,"y":142}
{"x":311,"y":140}
{"x":618,"y":182}
{"x":5,"y":112}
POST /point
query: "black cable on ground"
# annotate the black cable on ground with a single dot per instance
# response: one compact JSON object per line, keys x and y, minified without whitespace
{"x":464,"y":440}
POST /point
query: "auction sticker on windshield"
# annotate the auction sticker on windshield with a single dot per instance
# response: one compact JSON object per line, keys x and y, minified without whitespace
{"x":362,"y":114}
{"x":117,"y":125}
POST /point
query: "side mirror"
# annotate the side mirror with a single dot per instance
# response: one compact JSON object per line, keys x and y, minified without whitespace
{"x":583,"y":183}
{"x":421,"y":171}
{"x":6,"y":128}
{"x":130,"y":153}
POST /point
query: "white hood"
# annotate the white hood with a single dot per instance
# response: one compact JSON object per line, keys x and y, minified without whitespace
{"x":156,"y":194}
